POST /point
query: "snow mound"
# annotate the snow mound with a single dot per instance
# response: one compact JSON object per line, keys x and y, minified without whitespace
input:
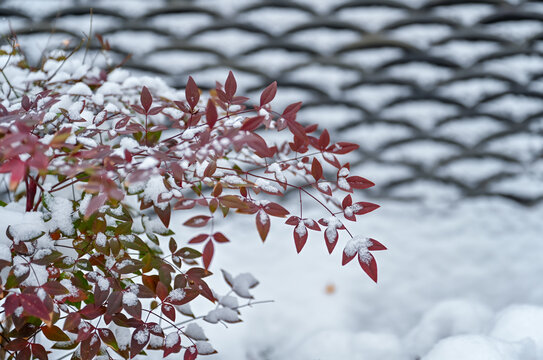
{"x":520,"y":323}
{"x":479,"y":347}
{"x":445,"y":319}
{"x":339,"y":344}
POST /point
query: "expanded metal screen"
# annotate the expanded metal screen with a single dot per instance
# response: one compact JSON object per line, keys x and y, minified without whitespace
{"x":445,"y":97}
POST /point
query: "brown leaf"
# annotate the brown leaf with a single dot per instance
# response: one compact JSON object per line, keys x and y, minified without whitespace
{"x":54,"y":333}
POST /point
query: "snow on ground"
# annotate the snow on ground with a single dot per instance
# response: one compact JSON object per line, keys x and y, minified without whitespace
{"x":456,"y":276}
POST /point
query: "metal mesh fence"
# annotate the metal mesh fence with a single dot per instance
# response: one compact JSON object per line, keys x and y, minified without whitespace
{"x":445,"y":97}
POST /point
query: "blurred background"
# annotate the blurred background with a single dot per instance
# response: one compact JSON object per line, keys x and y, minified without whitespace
{"x":445,"y":98}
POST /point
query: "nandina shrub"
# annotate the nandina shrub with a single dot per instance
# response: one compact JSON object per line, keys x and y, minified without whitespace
{"x":95,"y":162}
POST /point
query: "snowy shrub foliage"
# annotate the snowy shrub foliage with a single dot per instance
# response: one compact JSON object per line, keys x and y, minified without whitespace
{"x":94,"y":162}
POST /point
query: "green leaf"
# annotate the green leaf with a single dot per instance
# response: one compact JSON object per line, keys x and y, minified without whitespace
{"x":124,"y":228}
{"x":188,"y":253}
{"x":67,"y":345}
{"x":48,"y":259}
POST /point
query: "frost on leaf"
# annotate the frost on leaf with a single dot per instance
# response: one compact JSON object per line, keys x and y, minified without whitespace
{"x":361,"y":246}
{"x":140,"y":338}
{"x":331,"y":235}
{"x":205,"y":348}
{"x":241,"y":283}
{"x":222,"y":314}
{"x":172,"y":344}
{"x":195,"y":332}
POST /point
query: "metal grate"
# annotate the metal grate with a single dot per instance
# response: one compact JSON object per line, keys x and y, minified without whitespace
{"x":445,"y":97}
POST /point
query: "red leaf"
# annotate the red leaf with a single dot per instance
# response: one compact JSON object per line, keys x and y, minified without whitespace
{"x":192,"y":94}
{"x":346,"y":259}
{"x":94,"y":204}
{"x":140,"y":338}
{"x":268,"y":94}
{"x":331,"y":237}
{"x":376,"y":245}
{"x":39,"y":352}
{"x":221,"y":94}
{"x":332,"y":160}
{"x":262,"y":224}
{"x":211,"y":114}
{"x":191,"y":353}
{"x":274,"y":209}
{"x":291,"y":110}
{"x":169,"y":311}
{"x":155,"y":110}
{"x":258,"y":144}
{"x":220,"y":238}
{"x":146,"y":99}
{"x":34,"y":306}
{"x":134,"y":310}
{"x":324,"y":139}
{"x":297,"y":130}
{"x":155,"y":329}
{"x":12,"y":302}
{"x":164,"y":214}
{"x":190,"y":294}
{"x":17,"y":169}
{"x":230,"y":86}
{"x":17,"y":344}
{"x":138,"y":109}
{"x":161,"y":290}
{"x":252,"y":123}
{"x":293,"y":220}
{"x":347,"y":201}
{"x":90,"y":347}
{"x":72,"y":321}
{"x":54,"y":288}
{"x":311,"y":224}
{"x":114,"y":303}
{"x":365,"y":207}
{"x":199,"y":239}
{"x":238,"y":100}
{"x":316,"y":169}
{"x":369,"y":266}
{"x":24,"y":354}
{"x":25,"y":103}
{"x":207,"y":254}
{"x":184,"y":204}
{"x":182,"y":106}
{"x":172,"y":348}
{"x":342,"y":148}
{"x":358,"y":182}
{"x":197,"y":221}
{"x":92,"y":311}
{"x":300,"y":236}
{"x":122,"y":123}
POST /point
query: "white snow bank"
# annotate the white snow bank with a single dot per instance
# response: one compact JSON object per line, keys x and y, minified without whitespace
{"x":479,"y":347}
{"x":447,"y":318}
{"x":521,"y":323}
{"x":342,"y":344}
